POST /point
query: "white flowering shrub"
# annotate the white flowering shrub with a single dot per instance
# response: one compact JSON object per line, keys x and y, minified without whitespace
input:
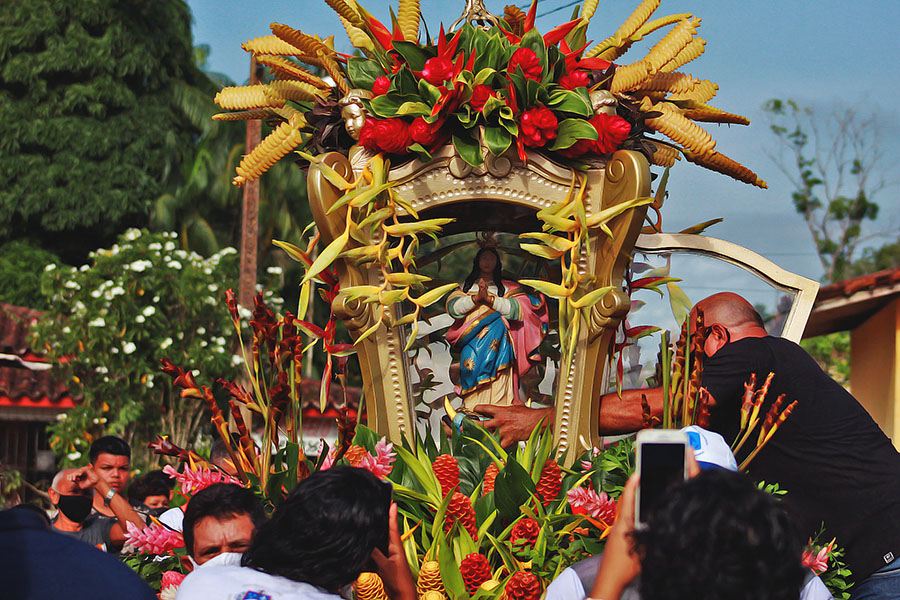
{"x":112,"y":320}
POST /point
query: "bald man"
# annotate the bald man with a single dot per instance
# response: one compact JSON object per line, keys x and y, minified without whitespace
{"x":836,"y":464}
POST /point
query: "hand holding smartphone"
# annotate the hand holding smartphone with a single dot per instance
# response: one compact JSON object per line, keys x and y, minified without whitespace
{"x":662,"y":460}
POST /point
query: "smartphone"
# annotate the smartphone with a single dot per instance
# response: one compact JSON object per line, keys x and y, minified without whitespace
{"x":661,"y":462}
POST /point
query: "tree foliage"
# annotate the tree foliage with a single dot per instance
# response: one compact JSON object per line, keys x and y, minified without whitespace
{"x":21,"y":265}
{"x":112,"y":320}
{"x":834,"y":161}
{"x":91,"y":112}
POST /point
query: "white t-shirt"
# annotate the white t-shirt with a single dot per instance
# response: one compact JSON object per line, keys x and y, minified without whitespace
{"x":244,"y":583}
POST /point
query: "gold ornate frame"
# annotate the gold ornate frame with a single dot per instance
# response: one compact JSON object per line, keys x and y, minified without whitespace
{"x":805,"y":289}
{"x":448,"y":180}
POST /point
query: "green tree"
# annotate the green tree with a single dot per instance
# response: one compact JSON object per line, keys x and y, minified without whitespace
{"x":112,"y":320}
{"x":21,"y":265}
{"x":91,"y":114}
{"x":835,"y":163}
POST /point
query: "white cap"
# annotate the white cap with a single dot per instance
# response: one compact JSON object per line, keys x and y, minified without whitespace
{"x":710,"y":449}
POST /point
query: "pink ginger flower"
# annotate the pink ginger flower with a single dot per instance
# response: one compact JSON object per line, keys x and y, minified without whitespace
{"x":329,"y":460}
{"x":585,"y":501}
{"x":154,"y":539}
{"x":381,"y":464}
{"x":192,"y":481}
{"x":817,"y":561}
{"x":171,"y":578}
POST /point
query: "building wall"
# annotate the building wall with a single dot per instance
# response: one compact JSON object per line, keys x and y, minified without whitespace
{"x":874,"y":372}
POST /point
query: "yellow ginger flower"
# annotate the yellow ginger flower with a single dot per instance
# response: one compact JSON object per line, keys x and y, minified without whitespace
{"x":433,"y":595}
{"x":694,"y":49}
{"x":307,"y":44}
{"x":369,"y":586}
{"x":247,"y":97}
{"x":665,"y":155}
{"x":669,"y":82}
{"x":292,"y":90}
{"x":345,"y":11}
{"x":269,"y":44}
{"x":702,"y":92}
{"x":629,"y":77}
{"x":282,"y":140}
{"x":408,"y":15}
{"x":673,"y":42}
{"x":429,"y":578}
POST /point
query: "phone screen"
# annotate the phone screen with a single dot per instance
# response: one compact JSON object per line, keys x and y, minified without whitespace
{"x":662,"y":465}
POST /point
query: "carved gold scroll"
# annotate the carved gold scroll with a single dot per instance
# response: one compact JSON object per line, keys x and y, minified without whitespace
{"x":448,"y":180}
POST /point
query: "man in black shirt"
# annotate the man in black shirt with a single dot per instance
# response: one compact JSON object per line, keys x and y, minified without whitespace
{"x":836,"y":464}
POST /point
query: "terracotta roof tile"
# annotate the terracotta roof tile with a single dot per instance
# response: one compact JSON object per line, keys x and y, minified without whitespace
{"x":848,"y":287}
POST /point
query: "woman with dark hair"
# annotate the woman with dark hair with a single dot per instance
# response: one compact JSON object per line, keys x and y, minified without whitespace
{"x":498,"y":327}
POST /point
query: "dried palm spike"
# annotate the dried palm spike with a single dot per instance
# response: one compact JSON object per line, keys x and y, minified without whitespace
{"x":669,"y":82}
{"x":588,"y":10}
{"x":307,"y":44}
{"x":701,"y":93}
{"x":292,"y":90}
{"x":329,"y":41}
{"x":515,"y":18}
{"x":629,"y":77}
{"x":282,"y":67}
{"x":245,"y":115}
{"x":358,"y":37}
{"x":627,"y":28}
{"x":678,"y":127}
{"x":665,"y":155}
{"x":408,"y":15}
{"x":668,"y":48}
{"x":288,"y":113}
{"x":687,"y":54}
{"x":335,"y":72}
{"x":720,"y":163}
{"x":282,"y":140}
{"x":711,"y":114}
{"x":246,"y":97}
{"x":269,"y":44}
{"x":369,"y":586}
{"x":651,"y":26}
{"x":345,"y":11}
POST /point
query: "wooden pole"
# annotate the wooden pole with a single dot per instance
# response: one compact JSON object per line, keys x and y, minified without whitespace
{"x":250,"y":213}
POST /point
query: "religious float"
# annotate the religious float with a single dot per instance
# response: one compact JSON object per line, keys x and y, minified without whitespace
{"x":480,"y":196}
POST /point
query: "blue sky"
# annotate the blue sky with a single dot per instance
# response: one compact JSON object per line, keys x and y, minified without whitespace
{"x":818,"y":53}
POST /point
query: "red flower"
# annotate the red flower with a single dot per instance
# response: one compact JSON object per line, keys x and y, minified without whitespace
{"x":576,"y":79}
{"x":528,"y":60}
{"x":381,"y":86}
{"x":526,"y":530}
{"x":480,"y":95}
{"x":612,"y":130}
{"x":475,"y":570}
{"x":425,"y":133}
{"x":578,"y":148}
{"x":385,"y":135}
{"x":539,"y":126}
{"x":437,"y":70}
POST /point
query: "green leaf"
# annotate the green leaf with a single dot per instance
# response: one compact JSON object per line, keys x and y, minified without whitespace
{"x":388,"y":105}
{"x":571,"y":101}
{"x":497,"y":140}
{"x":363,"y":72}
{"x":469,"y":149}
{"x":429,"y":92}
{"x":512,"y":488}
{"x":414,"y":54}
{"x":414,"y":109}
{"x":452,"y":578}
{"x":570,"y":131}
{"x":535,"y":41}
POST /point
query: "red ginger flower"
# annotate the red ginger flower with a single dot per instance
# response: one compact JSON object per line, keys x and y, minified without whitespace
{"x":425,"y":133}
{"x":437,"y":70}
{"x":612,"y":130}
{"x":528,"y":60}
{"x":385,"y":135}
{"x":480,"y":95}
{"x":523,"y":585}
{"x":446,"y":469}
{"x":575,"y":79}
{"x":154,"y":539}
{"x":170,"y":578}
{"x":549,"y":484}
{"x":475,"y":570}
{"x":381,"y":86}
{"x":539,"y":126}
{"x":192,"y":481}
{"x":585,"y":501}
{"x":526,"y":530}
{"x":490,"y":476}
{"x":460,"y":509}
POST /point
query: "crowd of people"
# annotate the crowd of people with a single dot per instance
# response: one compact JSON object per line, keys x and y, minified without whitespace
{"x":716,"y":536}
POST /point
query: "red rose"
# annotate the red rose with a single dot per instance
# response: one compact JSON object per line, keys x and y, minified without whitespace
{"x":381,"y":86}
{"x":385,"y":135}
{"x":612,"y":130}
{"x":574,"y":80}
{"x":437,"y":70}
{"x":528,"y":60}
{"x":480,"y":95}
{"x":539,"y":126}
{"x":423,"y":132}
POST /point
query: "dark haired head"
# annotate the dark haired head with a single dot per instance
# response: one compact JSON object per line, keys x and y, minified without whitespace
{"x":476,"y":271}
{"x":325,"y":530}
{"x":718,"y":536}
{"x":154,"y":483}
{"x":109,"y":444}
{"x":222,"y":501}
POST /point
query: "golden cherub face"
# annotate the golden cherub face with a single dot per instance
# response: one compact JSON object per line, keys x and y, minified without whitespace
{"x":603,"y":101}
{"x":354,"y":117}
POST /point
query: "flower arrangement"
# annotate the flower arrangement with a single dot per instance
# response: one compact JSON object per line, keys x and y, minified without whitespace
{"x":500,"y":86}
